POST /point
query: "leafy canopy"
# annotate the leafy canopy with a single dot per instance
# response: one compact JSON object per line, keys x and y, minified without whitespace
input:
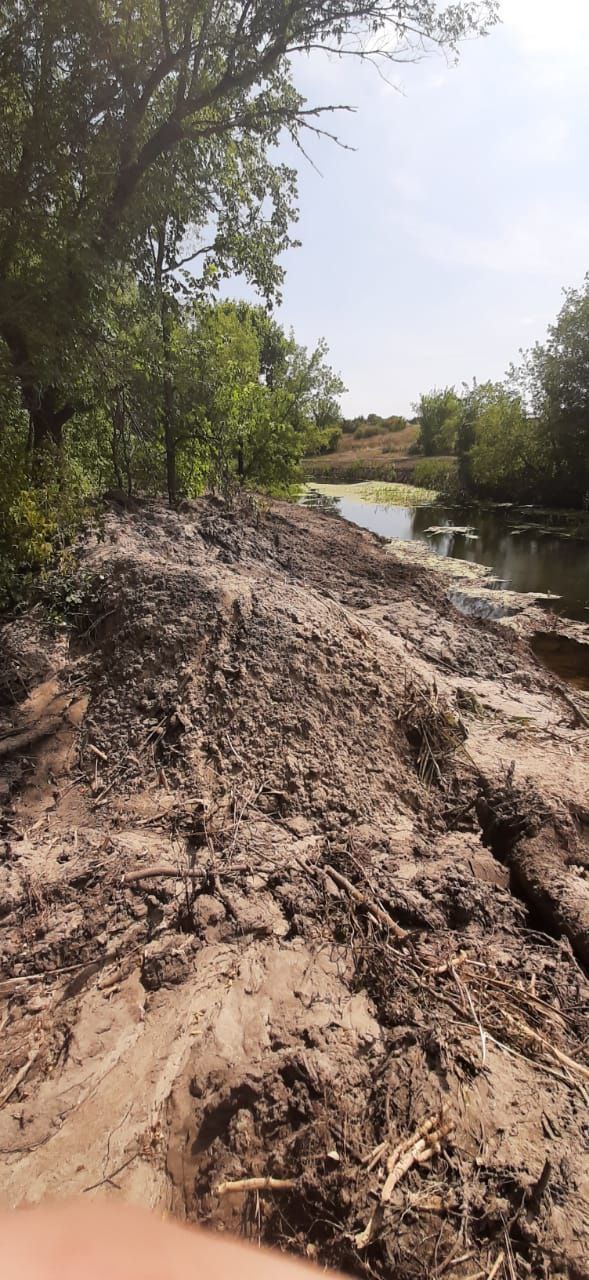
{"x":117,"y":114}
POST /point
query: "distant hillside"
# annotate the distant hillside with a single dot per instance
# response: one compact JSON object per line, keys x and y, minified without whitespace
{"x":369,"y":449}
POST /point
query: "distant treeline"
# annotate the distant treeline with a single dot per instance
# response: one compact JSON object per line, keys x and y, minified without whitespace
{"x":525,"y":439}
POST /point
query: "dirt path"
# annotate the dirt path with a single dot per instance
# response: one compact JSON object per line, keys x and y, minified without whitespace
{"x":276,"y":904}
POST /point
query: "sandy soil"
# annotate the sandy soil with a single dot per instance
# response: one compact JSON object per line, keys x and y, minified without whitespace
{"x":294,"y":887}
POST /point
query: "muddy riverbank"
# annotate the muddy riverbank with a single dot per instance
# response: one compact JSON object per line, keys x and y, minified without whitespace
{"x":294,"y":887}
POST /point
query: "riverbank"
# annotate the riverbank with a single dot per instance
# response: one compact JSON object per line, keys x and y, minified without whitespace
{"x":294,"y":873}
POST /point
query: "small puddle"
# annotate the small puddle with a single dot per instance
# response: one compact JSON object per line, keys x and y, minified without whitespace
{"x":567,"y":658}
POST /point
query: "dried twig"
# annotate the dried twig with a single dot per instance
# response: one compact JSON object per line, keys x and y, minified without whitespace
{"x":578,"y":1068}
{"x":29,"y":738}
{"x":372,"y":907}
{"x":581,"y":716}
{"x":539,"y":1189}
{"x":109,"y":1178}
{"x":496,"y":1265}
{"x":12,"y":984}
{"x":454,"y":1262}
{"x":418,"y":1149}
{"x":163,"y":872}
{"x":464,"y":991}
{"x":19,"y":1077}
{"x":255,"y":1184}
{"x":450,"y":965}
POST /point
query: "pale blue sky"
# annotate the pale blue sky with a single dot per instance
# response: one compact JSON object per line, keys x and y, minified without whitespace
{"x":440,"y":246}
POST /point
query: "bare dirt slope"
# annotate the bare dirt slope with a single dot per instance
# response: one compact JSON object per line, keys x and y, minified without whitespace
{"x":275,"y":903}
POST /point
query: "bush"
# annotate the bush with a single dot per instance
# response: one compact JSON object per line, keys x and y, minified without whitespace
{"x":394,"y":423}
{"x":439,"y":474}
{"x":325,"y":441}
{"x":365,"y":433}
{"x":348,"y":472}
{"x":37,"y":516}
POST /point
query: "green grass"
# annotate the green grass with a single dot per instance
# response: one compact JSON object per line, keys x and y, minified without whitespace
{"x":373,"y":491}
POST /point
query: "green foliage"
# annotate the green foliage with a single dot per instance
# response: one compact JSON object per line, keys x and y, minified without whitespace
{"x":248,"y":402}
{"x":350,"y":472}
{"x":37,"y":521}
{"x":139,"y":158}
{"x":365,"y":433}
{"x":365,"y":427}
{"x":438,"y":474}
{"x":504,"y":459}
{"x":554,"y":379}
{"x":259,"y":401}
{"x":527,"y":439}
{"x":116,"y":118}
{"x":439,"y":415}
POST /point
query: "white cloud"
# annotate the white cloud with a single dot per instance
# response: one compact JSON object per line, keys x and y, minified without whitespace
{"x":549,"y":241}
{"x":545,"y":27}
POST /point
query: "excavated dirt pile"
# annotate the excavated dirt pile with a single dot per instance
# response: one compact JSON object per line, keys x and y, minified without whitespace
{"x":294,"y":891}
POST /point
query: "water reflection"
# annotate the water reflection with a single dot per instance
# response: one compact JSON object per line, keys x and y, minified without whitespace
{"x":523,"y":548}
{"x":322,"y":502}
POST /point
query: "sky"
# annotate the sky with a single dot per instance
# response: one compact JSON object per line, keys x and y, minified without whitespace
{"x":439,"y":247}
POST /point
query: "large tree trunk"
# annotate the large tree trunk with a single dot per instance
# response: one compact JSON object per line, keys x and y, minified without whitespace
{"x":47,"y":407}
{"x":48,"y":416}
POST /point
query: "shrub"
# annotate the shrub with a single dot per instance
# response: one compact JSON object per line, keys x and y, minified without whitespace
{"x":365,"y":433}
{"x":348,"y":472}
{"x":394,"y":423}
{"x":37,"y":519}
{"x":439,"y":474}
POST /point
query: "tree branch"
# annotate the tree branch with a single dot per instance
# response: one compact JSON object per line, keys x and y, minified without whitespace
{"x":165,"y":26}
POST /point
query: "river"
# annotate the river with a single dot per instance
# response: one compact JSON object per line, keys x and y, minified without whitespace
{"x":545,"y":552}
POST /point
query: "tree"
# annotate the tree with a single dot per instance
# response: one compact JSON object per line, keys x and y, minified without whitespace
{"x":110,"y":108}
{"x":314,"y":392}
{"x":505,"y":457}
{"x":439,"y":415}
{"x":251,"y":401}
{"x":555,"y":379}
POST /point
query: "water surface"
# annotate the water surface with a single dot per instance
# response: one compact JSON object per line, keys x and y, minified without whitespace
{"x":527,"y":550}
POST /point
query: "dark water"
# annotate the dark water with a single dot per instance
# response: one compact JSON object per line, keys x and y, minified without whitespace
{"x":542,"y":557}
{"x":564,"y":655}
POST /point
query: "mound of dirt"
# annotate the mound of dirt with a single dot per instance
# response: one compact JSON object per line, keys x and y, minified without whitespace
{"x":294,"y":903}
